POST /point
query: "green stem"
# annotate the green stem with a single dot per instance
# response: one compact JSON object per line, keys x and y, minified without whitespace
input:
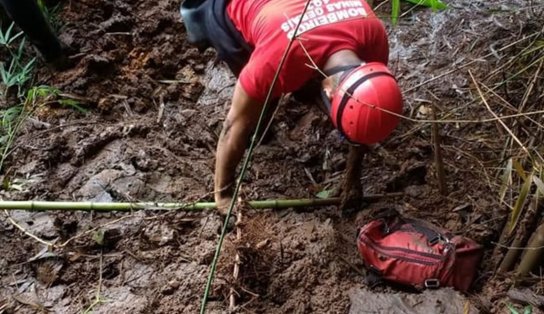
{"x":123,"y":207}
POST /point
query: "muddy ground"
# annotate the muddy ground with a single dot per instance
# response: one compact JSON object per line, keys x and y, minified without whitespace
{"x":156,"y":106}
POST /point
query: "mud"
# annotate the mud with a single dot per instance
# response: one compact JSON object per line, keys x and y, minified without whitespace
{"x":156,"y":107}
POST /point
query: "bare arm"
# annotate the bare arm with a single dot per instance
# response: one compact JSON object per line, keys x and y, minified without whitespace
{"x":238,"y":126}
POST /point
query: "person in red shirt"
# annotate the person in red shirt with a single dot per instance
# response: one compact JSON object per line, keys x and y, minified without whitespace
{"x":340,"y":38}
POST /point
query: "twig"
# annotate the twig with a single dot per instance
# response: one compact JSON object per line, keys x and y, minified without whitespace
{"x":236,"y":271}
{"x":509,"y":106}
{"x":531,"y":85}
{"x":357,"y":270}
{"x":521,"y":248}
{"x":13,"y":222}
{"x":161,"y":109}
{"x":495,"y":115}
{"x":92,"y":230}
{"x":98,"y":298}
{"x":468,"y":63}
{"x":281,"y":101}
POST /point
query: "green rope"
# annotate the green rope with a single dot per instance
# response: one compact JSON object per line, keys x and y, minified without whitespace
{"x":246,"y":163}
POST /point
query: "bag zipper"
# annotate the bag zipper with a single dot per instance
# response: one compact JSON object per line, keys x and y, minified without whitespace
{"x":427,"y":258}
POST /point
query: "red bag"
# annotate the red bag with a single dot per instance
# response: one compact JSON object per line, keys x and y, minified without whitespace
{"x":416,"y":253}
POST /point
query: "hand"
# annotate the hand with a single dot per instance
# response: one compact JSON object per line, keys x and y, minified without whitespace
{"x":223,"y":203}
{"x":351,"y":199}
{"x":352,"y":190}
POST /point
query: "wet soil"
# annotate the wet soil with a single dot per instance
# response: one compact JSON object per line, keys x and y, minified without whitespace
{"x":156,"y":107}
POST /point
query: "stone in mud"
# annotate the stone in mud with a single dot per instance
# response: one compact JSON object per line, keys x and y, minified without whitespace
{"x":159,"y":234}
{"x":39,"y":224}
{"x":99,"y":183}
{"x":444,"y":300}
{"x":121,"y":300}
{"x":219,"y":85}
{"x":211,"y":226}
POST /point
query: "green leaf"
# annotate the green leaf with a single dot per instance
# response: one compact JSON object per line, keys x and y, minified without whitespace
{"x":98,"y":237}
{"x":539,"y":185}
{"x":512,"y":309}
{"x":528,"y":309}
{"x":324,"y":194}
{"x":516,"y":211}
{"x":434,"y":4}
{"x":72,"y":103}
{"x":506,"y":180}
{"x":520,"y":170}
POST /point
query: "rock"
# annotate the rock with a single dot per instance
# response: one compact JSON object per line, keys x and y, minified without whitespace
{"x":159,"y":234}
{"x":98,"y":183}
{"x":219,"y":84}
{"x":53,"y":295}
{"x":211,"y":226}
{"x":444,"y":300}
{"x":121,"y":300}
{"x":40,"y":224}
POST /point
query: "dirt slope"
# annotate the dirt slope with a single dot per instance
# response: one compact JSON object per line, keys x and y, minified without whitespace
{"x":156,"y":108}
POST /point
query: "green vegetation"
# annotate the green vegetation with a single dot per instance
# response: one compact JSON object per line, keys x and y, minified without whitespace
{"x":434,"y":4}
{"x":18,"y":97}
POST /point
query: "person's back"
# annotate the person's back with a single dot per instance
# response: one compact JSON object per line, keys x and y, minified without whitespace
{"x":328,"y":26}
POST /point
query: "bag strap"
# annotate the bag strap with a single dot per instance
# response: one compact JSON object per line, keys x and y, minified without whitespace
{"x":432,"y":235}
{"x":373,"y":278}
{"x":393,"y":220}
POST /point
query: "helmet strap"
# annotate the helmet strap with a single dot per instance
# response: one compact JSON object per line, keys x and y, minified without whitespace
{"x":348,"y":94}
{"x":333,"y":71}
{"x":326,"y":100}
{"x":340,"y":68}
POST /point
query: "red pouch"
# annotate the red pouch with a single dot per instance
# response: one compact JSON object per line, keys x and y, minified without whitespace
{"x":416,"y":253}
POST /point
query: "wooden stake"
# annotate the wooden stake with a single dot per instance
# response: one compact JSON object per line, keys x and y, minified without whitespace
{"x":236,"y":271}
{"x":439,"y":164}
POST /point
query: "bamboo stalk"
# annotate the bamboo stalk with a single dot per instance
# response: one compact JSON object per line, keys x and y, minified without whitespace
{"x":533,"y":253}
{"x":523,"y":232}
{"x":124,"y":206}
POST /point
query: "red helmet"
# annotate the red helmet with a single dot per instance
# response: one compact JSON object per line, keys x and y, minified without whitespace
{"x":362,"y":103}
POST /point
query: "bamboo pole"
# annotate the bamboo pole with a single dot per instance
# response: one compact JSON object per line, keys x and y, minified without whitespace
{"x":523,"y":232}
{"x":533,"y":254}
{"x":106,"y":207}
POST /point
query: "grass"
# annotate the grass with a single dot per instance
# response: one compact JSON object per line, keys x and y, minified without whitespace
{"x":395,"y":7}
{"x":21,"y":98}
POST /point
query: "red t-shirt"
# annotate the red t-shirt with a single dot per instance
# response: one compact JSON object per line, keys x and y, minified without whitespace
{"x":328,"y":26}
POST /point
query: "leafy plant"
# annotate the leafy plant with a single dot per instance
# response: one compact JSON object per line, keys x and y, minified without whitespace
{"x":6,"y":38}
{"x":526,"y":310}
{"x":16,"y":75}
{"x":50,"y":14}
{"x":42,"y":95}
{"x":395,"y":7}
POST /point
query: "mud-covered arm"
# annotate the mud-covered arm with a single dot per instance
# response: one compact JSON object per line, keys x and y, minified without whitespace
{"x":237,"y":128}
